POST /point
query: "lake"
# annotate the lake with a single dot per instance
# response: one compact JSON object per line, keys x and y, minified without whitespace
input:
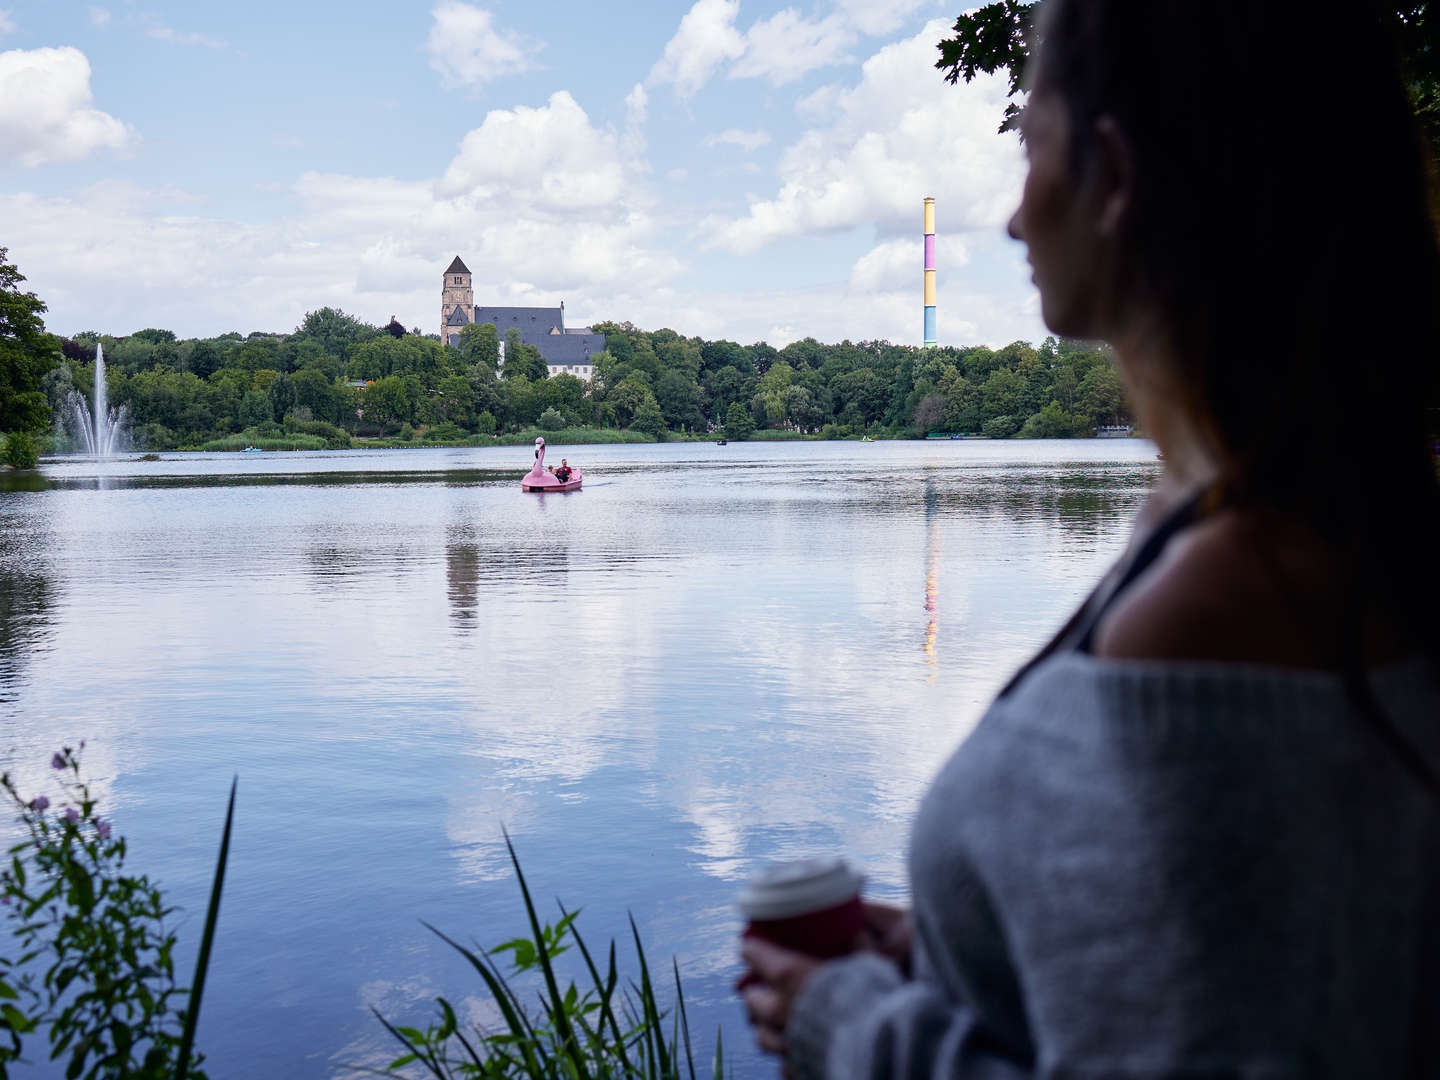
{"x":706,"y":659}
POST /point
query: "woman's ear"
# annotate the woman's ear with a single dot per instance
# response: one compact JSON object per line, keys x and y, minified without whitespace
{"x":1114,"y":175}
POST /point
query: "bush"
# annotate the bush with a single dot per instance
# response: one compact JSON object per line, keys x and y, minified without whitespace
{"x":1051,"y":422}
{"x":157,"y":437}
{"x":407,"y":433}
{"x":550,"y":420}
{"x":446,"y":432}
{"x":1000,"y":427}
{"x":835,"y":431}
{"x":485,"y":423}
{"x":108,"y":989}
{"x":20,"y":450}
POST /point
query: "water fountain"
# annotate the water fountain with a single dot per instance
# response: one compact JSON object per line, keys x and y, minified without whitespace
{"x":108,"y":433}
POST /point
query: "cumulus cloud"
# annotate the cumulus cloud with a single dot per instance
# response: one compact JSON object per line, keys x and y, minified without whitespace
{"x":746,"y":140}
{"x":466,"y":48}
{"x":45,"y":108}
{"x":881,"y":146}
{"x":549,"y":158}
{"x":875,"y":17}
{"x":787,"y":46}
{"x":782,"y":48}
{"x":541,"y":203}
{"x":705,"y":40}
{"x":636,"y":103}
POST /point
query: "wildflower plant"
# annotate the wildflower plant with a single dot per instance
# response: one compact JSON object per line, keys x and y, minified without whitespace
{"x":91,"y":957}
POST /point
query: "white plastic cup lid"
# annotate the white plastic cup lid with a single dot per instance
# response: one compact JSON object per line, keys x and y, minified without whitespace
{"x":785,"y":890}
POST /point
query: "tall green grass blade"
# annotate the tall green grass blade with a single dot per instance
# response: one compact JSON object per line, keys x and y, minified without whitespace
{"x":606,"y":990}
{"x":207,"y":938}
{"x":719,"y":1071}
{"x":648,"y":1003}
{"x":562,"y":1022}
{"x":684,"y":1020}
{"x":419,"y":1055}
{"x":504,"y":998}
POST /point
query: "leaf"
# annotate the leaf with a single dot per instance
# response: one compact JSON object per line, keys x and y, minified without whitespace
{"x":15,"y":1020}
{"x":207,"y":937}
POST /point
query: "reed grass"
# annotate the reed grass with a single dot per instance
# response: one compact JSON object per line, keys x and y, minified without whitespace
{"x":607,"y":1030}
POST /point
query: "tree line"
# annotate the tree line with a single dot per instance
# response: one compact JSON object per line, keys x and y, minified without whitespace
{"x":336,"y":378}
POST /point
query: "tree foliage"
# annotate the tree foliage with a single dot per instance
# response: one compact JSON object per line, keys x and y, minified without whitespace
{"x":27,"y":353}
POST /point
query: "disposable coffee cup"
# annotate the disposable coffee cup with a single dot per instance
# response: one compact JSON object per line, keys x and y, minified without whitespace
{"x":811,"y":905}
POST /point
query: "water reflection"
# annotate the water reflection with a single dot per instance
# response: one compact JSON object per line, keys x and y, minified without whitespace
{"x":28,"y":596}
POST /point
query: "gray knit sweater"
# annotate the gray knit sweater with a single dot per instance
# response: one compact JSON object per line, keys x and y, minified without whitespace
{"x":1142,"y":869}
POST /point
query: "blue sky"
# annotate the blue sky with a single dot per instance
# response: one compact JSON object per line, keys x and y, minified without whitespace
{"x":728,"y":168}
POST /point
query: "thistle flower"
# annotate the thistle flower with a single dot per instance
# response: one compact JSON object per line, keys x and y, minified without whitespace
{"x":40,"y":802}
{"x":102,"y":827}
{"x":58,"y":761}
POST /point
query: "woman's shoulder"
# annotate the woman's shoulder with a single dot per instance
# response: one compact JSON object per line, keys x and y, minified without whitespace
{"x":1241,"y":588}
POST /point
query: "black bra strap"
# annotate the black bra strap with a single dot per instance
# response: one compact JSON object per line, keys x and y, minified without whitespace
{"x":1078,"y":634}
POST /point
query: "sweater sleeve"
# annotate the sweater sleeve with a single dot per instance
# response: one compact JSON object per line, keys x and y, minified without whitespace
{"x":860,"y":1019}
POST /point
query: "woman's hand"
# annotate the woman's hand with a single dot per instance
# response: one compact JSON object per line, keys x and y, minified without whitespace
{"x":775,"y":975}
{"x":773,"y":979}
{"x":891,"y":933}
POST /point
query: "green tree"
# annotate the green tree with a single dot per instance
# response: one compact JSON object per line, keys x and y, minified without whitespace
{"x":254,"y":410}
{"x":480,"y":344}
{"x":738,"y":424}
{"x":27,"y":353}
{"x":649,"y":419}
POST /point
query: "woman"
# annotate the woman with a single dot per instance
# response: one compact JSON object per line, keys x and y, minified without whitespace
{"x":1200,"y":833}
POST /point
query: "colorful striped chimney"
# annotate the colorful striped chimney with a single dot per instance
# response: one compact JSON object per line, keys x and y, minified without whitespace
{"x":929,"y":272}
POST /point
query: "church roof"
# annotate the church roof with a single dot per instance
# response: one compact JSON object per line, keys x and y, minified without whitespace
{"x":457,"y":317}
{"x":457,"y":267}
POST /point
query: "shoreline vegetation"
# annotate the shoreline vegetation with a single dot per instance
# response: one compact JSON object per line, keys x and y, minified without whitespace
{"x":337,"y":382}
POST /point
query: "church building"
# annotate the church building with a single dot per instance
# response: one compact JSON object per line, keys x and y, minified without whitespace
{"x":566,"y":351}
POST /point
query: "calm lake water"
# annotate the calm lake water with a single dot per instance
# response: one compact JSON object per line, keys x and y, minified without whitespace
{"x":707,"y":659}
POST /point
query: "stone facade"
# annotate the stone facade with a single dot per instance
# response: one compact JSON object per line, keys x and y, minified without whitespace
{"x":455,"y":292}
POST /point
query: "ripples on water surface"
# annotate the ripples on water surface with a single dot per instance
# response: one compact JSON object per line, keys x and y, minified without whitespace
{"x":708,"y":658}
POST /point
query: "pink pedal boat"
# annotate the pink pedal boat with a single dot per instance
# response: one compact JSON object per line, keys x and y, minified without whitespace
{"x":537,"y":479}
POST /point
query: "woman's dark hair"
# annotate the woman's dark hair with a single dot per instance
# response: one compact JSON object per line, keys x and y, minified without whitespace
{"x":1283,"y":223}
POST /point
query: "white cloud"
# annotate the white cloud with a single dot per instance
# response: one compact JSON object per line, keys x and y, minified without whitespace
{"x":898,"y":135}
{"x":874,"y":17}
{"x":550,"y":159}
{"x":746,"y":140}
{"x":466,"y":48}
{"x":99,"y":16}
{"x":156,"y":29}
{"x":636,"y":103}
{"x":787,"y":46}
{"x":45,"y":110}
{"x":677,"y":174}
{"x":705,"y":39}
{"x":782,"y":48}
{"x":7,"y":23}
{"x":541,"y":203}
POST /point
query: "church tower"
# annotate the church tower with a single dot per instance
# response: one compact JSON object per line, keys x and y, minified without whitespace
{"x":455,"y":293}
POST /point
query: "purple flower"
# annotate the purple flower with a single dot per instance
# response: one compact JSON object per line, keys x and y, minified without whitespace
{"x":40,"y":802}
{"x":102,"y":827}
{"x":72,"y":815}
{"x":58,"y":761}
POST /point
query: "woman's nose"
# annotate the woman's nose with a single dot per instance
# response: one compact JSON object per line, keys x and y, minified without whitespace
{"x":1012,"y":227}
